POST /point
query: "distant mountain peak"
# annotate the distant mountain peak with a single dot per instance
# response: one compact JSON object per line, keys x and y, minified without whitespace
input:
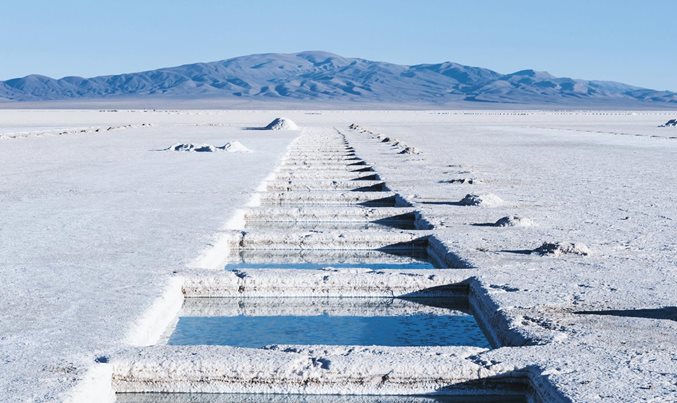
{"x":321,"y":76}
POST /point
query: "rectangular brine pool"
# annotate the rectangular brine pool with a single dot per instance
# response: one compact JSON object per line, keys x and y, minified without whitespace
{"x":259,"y":322}
{"x":396,"y":259}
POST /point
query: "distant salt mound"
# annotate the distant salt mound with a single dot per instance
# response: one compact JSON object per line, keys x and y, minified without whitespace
{"x":409,"y":150}
{"x":562,"y":248}
{"x":461,"y":181}
{"x":190,"y":147}
{"x":484,"y":200}
{"x":234,"y":147}
{"x":514,"y":221}
{"x":669,"y":123}
{"x":282,"y":124}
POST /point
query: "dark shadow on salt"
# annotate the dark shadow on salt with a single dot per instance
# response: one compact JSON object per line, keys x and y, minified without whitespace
{"x":511,"y":387}
{"x":379,"y":187}
{"x":664,"y":313}
{"x":443,"y":203}
{"x":373,"y":177}
{"x":518,"y":251}
{"x":365,"y":169}
{"x":402,"y":221}
{"x":383,"y":202}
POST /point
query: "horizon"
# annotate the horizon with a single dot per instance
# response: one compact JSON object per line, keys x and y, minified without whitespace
{"x":584,"y":41}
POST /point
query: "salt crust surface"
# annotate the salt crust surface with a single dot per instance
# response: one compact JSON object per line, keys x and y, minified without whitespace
{"x":71,"y":239}
{"x":93,"y":225}
{"x":598,"y":182}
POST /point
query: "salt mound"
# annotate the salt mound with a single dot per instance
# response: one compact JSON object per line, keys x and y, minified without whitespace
{"x":409,"y":150}
{"x":485,"y":200}
{"x":235,"y":147}
{"x":562,"y":248}
{"x":671,"y":122}
{"x":461,"y":181}
{"x":514,"y":221}
{"x":190,"y":147}
{"x":282,"y":124}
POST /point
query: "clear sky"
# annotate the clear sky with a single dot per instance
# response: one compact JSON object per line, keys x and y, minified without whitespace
{"x":630,"y":41}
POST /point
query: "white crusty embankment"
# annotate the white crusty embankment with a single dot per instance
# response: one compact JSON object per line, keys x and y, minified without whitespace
{"x":304,"y":370}
{"x":326,"y":282}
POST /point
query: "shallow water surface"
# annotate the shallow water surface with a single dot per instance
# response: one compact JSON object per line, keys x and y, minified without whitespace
{"x":258,"y":322}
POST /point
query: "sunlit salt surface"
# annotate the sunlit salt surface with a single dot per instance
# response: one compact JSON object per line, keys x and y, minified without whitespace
{"x":339,"y":259}
{"x":258,"y":322}
{"x":508,"y":397}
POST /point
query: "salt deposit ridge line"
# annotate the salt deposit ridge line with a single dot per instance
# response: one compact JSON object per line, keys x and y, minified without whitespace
{"x":89,"y":130}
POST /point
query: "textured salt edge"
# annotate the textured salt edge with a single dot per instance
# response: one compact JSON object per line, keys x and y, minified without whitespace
{"x":312,"y":213}
{"x":325,"y":197}
{"x":315,"y":185}
{"x":300,"y":369}
{"x":324,"y":282}
{"x":313,"y":306}
{"x":330,"y":240}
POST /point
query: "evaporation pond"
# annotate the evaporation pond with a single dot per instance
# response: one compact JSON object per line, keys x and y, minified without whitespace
{"x":258,"y":322}
{"x":339,"y":259}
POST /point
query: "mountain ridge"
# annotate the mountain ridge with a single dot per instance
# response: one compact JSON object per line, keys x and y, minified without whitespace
{"x":323,"y":76}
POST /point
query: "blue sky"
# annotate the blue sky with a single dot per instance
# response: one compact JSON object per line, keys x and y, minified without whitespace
{"x":622,"y":40}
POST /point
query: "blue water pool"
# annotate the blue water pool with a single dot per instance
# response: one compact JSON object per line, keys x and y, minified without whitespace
{"x":258,"y":322}
{"x":340,"y":259}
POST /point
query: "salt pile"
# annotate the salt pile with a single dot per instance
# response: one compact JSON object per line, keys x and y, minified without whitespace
{"x":562,"y":248}
{"x":282,"y":124}
{"x":234,"y":147}
{"x":514,"y":221}
{"x":484,"y":200}
{"x":461,"y":181}
{"x":190,"y":147}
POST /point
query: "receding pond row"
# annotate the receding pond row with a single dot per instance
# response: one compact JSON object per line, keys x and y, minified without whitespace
{"x":334,"y":216}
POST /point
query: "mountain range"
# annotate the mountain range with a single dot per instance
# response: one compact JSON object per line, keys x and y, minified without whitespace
{"x":321,"y":76}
